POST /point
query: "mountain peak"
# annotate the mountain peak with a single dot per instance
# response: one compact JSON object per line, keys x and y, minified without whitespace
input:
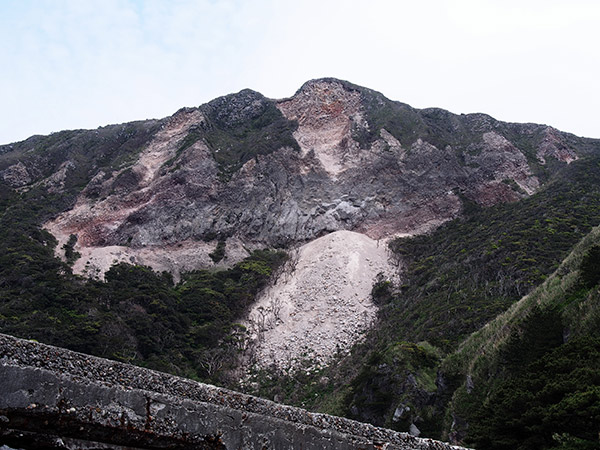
{"x":258,"y":171}
{"x":327,"y":82}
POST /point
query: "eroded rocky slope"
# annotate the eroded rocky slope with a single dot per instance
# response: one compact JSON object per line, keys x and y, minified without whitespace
{"x":249,"y":172}
{"x":261,"y":172}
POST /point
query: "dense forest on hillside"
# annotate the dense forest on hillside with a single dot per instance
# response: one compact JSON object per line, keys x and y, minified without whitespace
{"x":135,"y":315}
{"x":538,"y":362}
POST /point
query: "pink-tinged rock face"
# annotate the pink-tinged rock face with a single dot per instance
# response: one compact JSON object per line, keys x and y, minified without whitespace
{"x":406,"y":179}
{"x":326,"y":113}
{"x":554,"y":146}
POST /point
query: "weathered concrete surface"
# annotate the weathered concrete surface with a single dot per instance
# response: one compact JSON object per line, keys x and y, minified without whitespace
{"x":55,"y":398}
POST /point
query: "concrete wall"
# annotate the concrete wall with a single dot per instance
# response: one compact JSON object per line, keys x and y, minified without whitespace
{"x":55,"y":398}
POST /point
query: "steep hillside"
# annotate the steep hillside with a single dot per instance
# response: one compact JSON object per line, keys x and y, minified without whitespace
{"x":476,"y":212}
{"x":253,"y":171}
{"x":455,"y":280}
{"x":538,"y":363}
{"x":322,"y":307}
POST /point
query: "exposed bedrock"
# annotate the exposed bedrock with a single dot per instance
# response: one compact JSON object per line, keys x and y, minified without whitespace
{"x":273,"y":173}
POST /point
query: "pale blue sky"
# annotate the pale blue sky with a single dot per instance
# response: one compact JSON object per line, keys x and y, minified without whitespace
{"x":70,"y":64}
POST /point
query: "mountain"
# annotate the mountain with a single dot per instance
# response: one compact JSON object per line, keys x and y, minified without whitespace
{"x":332,"y":249}
{"x":253,"y":171}
{"x":457,"y":279}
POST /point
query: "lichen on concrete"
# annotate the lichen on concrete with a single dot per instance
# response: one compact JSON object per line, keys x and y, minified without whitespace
{"x":48,"y":394}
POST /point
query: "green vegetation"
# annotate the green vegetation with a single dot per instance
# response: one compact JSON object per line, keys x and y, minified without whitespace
{"x":457,"y":279}
{"x":108,"y":148}
{"x":401,"y":376}
{"x":436,"y":126}
{"x":454,"y":285}
{"x":243,"y":126}
{"x":219,"y":252}
{"x":194,"y":135}
{"x":520,"y":365}
{"x":136,"y":315}
{"x":590,"y":267}
{"x":493,"y":339}
{"x":462,"y":132}
{"x":382,"y":292}
{"x":70,"y":254}
{"x":554,"y":402}
{"x":399,"y":119}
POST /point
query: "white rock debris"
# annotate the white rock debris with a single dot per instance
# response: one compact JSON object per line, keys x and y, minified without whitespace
{"x":323,"y":307}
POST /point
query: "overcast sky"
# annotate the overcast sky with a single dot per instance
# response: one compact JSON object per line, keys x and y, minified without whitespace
{"x":69,"y":64}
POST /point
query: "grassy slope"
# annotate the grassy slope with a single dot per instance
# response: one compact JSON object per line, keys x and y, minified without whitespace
{"x":560,"y":290}
{"x":243,"y":126}
{"x":550,"y":336}
{"x":110,"y":148}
